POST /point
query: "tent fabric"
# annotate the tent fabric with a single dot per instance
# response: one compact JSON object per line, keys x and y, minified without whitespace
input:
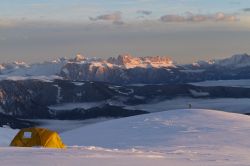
{"x":30,"y":137}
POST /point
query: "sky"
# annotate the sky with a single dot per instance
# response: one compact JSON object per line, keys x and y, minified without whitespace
{"x":184,"y":30}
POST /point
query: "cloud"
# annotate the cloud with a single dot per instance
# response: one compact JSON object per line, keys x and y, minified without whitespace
{"x":246,"y":10}
{"x":115,"y":18}
{"x":190,"y":17}
{"x":172,"y":18}
{"x":144,"y":12}
{"x":224,"y":17}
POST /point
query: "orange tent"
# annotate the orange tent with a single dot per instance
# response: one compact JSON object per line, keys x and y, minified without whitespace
{"x":30,"y":137}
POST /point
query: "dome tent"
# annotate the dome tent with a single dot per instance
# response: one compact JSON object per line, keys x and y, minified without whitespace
{"x":29,"y":137}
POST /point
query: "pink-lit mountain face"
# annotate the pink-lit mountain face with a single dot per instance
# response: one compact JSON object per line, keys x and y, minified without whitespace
{"x":128,"y":61}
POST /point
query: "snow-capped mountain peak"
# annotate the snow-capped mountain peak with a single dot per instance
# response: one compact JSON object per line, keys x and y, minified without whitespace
{"x":203,"y":63}
{"x":21,"y":69}
{"x":236,"y":61}
{"x":116,"y":69}
{"x":20,"y":63}
{"x":126,"y":60}
{"x":9,"y":67}
{"x":80,"y":58}
{"x":158,"y":61}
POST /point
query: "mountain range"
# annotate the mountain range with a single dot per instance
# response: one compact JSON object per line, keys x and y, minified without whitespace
{"x":126,"y":69}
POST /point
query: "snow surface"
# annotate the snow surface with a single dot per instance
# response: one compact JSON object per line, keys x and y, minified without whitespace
{"x":6,"y":135}
{"x":236,"y":105}
{"x":180,"y":137}
{"x":245,"y":83}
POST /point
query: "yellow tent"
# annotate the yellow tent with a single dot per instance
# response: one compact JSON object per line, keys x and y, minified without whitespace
{"x":30,"y":137}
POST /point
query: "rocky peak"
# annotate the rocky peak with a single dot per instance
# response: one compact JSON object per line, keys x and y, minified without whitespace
{"x":79,"y":58}
{"x":128,"y":61}
{"x":157,"y":59}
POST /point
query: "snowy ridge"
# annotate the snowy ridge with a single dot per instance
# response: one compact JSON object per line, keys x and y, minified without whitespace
{"x":50,"y":70}
{"x":235,"y":61}
{"x":156,"y":126}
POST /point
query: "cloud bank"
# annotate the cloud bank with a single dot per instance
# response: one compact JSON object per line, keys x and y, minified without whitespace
{"x":191,"y":17}
{"x":115,"y":18}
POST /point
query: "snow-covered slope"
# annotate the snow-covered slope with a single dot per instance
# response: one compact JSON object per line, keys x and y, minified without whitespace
{"x":6,"y":135}
{"x":164,"y":129}
{"x":179,"y":137}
